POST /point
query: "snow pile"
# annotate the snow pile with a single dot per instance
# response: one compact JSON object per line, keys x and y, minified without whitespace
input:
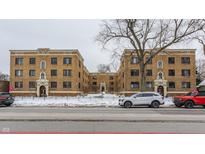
{"x":90,"y":100}
{"x":105,"y":100}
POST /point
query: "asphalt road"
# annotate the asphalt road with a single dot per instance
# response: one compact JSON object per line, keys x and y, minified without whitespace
{"x":101,"y":120}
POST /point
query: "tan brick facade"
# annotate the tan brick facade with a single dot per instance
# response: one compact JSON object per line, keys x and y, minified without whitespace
{"x":171,"y":82}
{"x":51,"y":72}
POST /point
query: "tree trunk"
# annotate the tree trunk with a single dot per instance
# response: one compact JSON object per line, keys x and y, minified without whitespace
{"x":142,"y":76}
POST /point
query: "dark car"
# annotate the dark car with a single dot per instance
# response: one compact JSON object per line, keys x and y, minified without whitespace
{"x":190,"y":99}
{"x":6,"y":98}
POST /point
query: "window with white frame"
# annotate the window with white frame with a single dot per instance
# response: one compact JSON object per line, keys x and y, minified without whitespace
{"x":43,"y":64}
{"x":160,"y":64}
{"x":43,"y":76}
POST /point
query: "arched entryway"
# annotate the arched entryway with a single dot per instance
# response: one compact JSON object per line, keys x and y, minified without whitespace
{"x":42,"y":91}
{"x":102,"y":87}
{"x":160,"y":90}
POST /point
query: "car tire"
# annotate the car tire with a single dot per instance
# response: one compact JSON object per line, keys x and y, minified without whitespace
{"x":8,"y":104}
{"x":155,"y":104}
{"x":189,"y":104}
{"x":203,"y":106}
{"x":178,"y":105}
{"x":127,"y":104}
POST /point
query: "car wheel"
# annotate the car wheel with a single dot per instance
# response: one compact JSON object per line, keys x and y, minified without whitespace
{"x":189,"y":104}
{"x":155,"y":104}
{"x":127,"y":104}
{"x":178,"y":105}
{"x":8,"y":104}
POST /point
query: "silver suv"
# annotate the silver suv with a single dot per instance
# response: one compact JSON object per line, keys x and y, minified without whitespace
{"x":150,"y":99}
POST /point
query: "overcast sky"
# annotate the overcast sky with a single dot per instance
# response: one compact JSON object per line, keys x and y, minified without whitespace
{"x":54,"y":34}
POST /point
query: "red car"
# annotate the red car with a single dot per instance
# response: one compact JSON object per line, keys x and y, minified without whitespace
{"x":190,"y":99}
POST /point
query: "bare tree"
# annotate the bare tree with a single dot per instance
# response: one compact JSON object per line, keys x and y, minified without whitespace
{"x":200,"y":68}
{"x":142,"y":34}
{"x":4,"y":77}
{"x":103,"y":68}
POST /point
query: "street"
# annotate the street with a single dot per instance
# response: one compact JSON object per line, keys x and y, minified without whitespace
{"x":101,"y":120}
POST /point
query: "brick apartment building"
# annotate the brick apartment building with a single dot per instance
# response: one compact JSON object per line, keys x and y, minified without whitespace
{"x":48,"y":72}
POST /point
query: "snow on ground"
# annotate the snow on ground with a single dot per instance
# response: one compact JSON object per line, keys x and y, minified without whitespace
{"x":89,"y":100}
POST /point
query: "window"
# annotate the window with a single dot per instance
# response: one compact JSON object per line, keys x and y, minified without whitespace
{"x":53,"y":84}
{"x":67,"y":60}
{"x":111,"y":83}
{"x":148,"y":72}
{"x":148,"y":84}
{"x":79,"y":74}
{"x":134,"y":84}
{"x":67,"y":72}
{"x":171,"y":60}
{"x":32,"y":72}
{"x":171,"y":72}
{"x":54,"y":60}
{"x":32,"y":84}
{"x":94,"y":83}
{"x":19,"y":73}
{"x":42,"y":76}
{"x":19,"y":84}
{"x":43,"y":64}
{"x":19,"y":61}
{"x":186,"y":84}
{"x":171,"y":85}
{"x":111,"y":77}
{"x":185,"y":60}
{"x":134,"y":60}
{"x":160,"y":76}
{"x":159,"y":64}
{"x":185,"y":72}
{"x":32,"y":60}
{"x":134,"y":72}
{"x":148,"y":61}
{"x":94,"y":78}
{"x":79,"y":85}
{"x":53,"y":72}
{"x":79,"y":64}
{"x":67,"y":84}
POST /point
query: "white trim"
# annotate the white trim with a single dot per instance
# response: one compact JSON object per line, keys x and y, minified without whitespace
{"x":65,"y":92}
{"x":177,"y":92}
{"x":23,"y":92}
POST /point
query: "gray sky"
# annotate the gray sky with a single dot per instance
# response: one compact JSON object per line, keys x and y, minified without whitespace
{"x":57,"y":34}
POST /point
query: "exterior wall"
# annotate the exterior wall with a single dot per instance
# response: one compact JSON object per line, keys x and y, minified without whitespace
{"x":46,"y":55}
{"x":106,"y":80}
{"x":126,"y":67}
{"x":82,"y":81}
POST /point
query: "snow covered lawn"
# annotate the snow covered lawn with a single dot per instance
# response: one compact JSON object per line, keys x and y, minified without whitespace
{"x":89,"y":100}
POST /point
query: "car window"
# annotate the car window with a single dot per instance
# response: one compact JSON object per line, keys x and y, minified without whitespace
{"x":147,"y":95}
{"x":5,"y":94}
{"x":138,"y":95}
{"x":191,"y":94}
{"x":201,"y":93}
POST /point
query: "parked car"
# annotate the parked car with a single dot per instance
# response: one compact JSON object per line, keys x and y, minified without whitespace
{"x":150,"y":99}
{"x":6,"y":98}
{"x":190,"y":100}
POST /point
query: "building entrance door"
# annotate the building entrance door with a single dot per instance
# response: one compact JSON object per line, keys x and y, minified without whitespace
{"x":102,"y":87}
{"x":42,"y":91}
{"x":160,"y":90}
